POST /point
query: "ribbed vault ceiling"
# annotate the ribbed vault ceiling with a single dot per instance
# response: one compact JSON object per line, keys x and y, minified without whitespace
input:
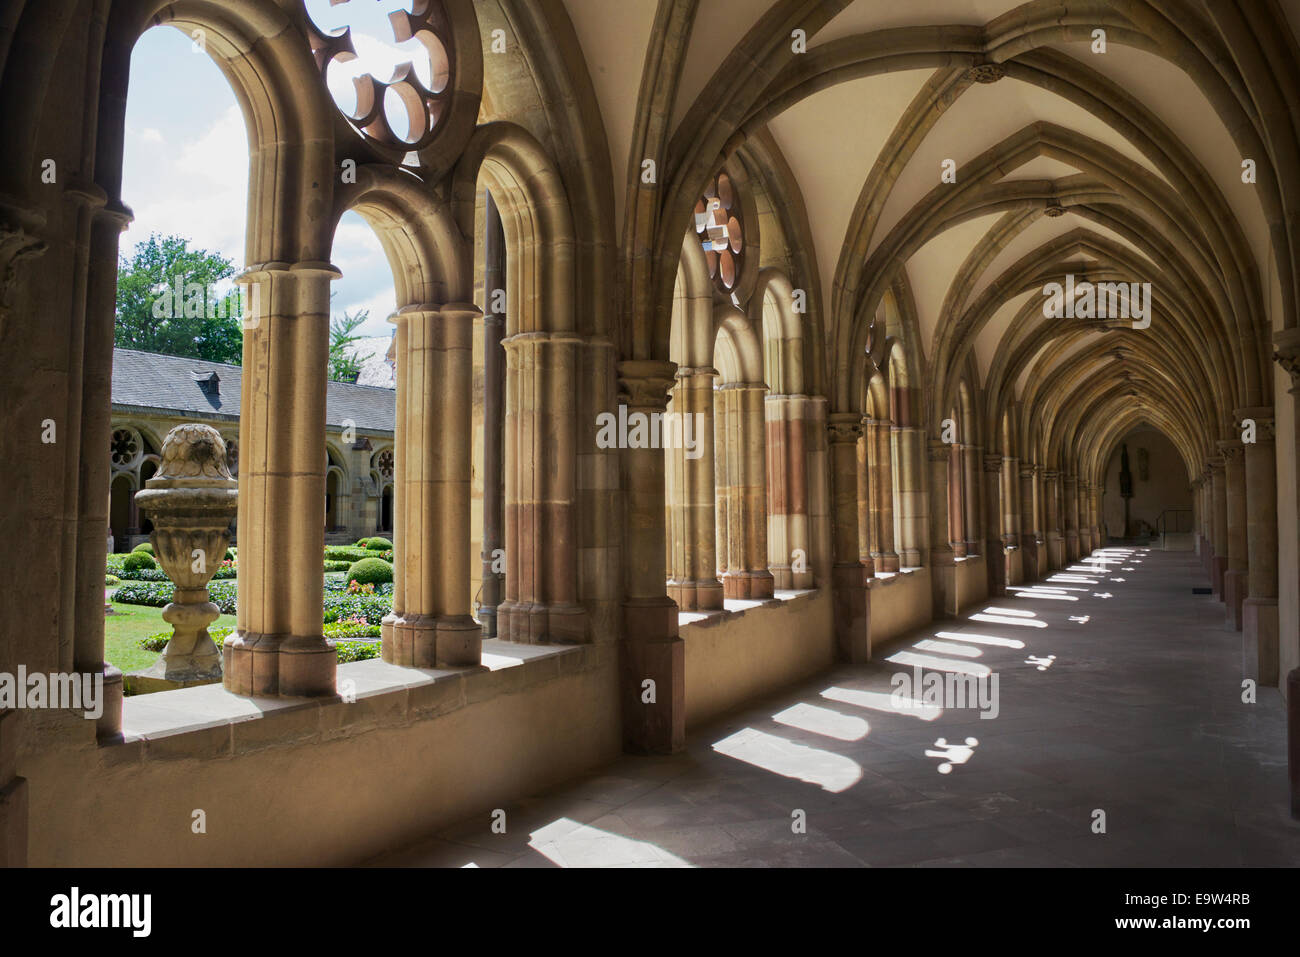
{"x":1127,"y":143}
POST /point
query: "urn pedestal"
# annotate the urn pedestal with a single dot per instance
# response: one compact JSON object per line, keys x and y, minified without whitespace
{"x":191,"y":502}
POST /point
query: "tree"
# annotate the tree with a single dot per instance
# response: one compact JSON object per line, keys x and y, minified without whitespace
{"x":167,"y":302}
{"x":344,"y":362}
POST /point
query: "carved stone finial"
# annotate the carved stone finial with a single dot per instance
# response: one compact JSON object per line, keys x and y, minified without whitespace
{"x":987,"y":72}
{"x":194,"y":451}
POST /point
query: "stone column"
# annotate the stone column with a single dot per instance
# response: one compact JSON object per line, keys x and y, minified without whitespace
{"x":912,"y":463}
{"x":1094,"y":515}
{"x":884,"y":557}
{"x":1010,"y":530}
{"x":1028,"y":531}
{"x":541,"y":445}
{"x":1070,"y":488}
{"x":278,"y":647}
{"x":994,"y":554}
{"x":1288,"y":356}
{"x":972,"y":455}
{"x":746,"y":574}
{"x":654,"y":715}
{"x":866,"y":502}
{"x":820,"y":521}
{"x":93,"y":488}
{"x":943,"y":555}
{"x":430,"y":626}
{"x":1259,"y":616}
{"x":1235,"y":575}
{"x":494,"y":399}
{"x":849,"y":575}
{"x":787,"y":491}
{"x":1055,"y":534}
{"x":1199,"y":516}
{"x":692,"y":556}
{"x":1219,"y":565}
{"x":955,"y":483}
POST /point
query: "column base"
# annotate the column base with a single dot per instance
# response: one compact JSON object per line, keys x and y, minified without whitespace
{"x":652,"y":668}
{"x":1235,"y":586}
{"x":430,"y":642}
{"x":109,"y":725}
{"x":886,"y":562}
{"x":753,"y":585}
{"x":851,"y":607}
{"x":1259,"y":641}
{"x":288,"y":666}
{"x":705,"y":595}
{"x":538,"y":623}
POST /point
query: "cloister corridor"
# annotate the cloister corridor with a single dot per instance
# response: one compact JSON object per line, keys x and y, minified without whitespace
{"x":1119,"y":690}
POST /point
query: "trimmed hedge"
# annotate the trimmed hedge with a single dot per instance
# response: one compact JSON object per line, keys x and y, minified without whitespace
{"x":376,"y":544}
{"x":371,"y":571}
{"x":347,"y":650}
{"x":157,"y":594}
{"x":337,"y":566}
{"x":139,"y":561}
{"x":346,"y":553}
{"x":143,"y":547}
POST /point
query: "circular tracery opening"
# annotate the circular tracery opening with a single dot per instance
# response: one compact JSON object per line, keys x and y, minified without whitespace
{"x":387,"y":63}
{"x":125,"y":448}
{"x":384,"y":463}
{"x":718,"y":223}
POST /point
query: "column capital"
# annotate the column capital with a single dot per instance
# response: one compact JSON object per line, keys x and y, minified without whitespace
{"x":450,"y":310}
{"x":1288,"y":355}
{"x":743,"y":387}
{"x":645,"y":383}
{"x":1028,"y":471}
{"x":844,"y":427}
{"x":940,"y":451}
{"x":1215,"y":463}
{"x":1264,"y":422}
{"x":993,"y":462}
{"x":1072,"y":480}
{"x":1231,"y":450}
{"x":1051,"y":474}
{"x":686,"y":372}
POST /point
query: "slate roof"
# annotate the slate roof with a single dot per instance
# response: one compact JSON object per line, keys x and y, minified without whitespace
{"x":147,"y":382}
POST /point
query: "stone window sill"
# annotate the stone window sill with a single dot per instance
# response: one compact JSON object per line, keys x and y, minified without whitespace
{"x":209,"y":721}
{"x":736,"y":607}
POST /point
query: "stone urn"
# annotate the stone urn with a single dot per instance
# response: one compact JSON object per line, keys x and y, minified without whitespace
{"x":191,"y":501}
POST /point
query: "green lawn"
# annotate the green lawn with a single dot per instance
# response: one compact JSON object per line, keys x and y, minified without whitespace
{"x":130,"y":623}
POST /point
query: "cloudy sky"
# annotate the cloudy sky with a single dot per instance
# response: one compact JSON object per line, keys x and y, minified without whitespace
{"x":186,"y":157}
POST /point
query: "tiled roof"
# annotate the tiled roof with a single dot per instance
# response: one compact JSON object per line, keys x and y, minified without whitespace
{"x":149,"y":382}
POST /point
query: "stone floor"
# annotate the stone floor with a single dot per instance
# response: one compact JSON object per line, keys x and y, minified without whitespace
{"x":1119,"y":691}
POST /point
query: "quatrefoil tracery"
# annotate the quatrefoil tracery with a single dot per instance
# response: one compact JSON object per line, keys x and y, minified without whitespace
{"x":717,"y":221}
{"x":423,"y":105}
